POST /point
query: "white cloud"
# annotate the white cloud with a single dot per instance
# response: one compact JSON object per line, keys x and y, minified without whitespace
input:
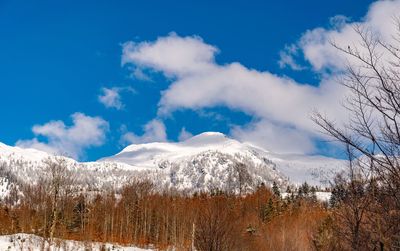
{"x":316,"y":44}
{"x":72,"y":140}
{"x":202,"y":83}
{"x":35,"y":144}
{"x":154,"y":131}
{"x":281,"y":105}
{"x":111,"y":97}
{"x":284,"y":139}
{"x":338,"y":21}
{"x":286,"y":58}
{"x":172,"y":54}
{"x":184,"y":135}
{"x":138,"y":73}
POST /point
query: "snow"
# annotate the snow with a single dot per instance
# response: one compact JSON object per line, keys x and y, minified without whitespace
{"x":28,"y":153}
{"x":22,"y":242}
{"x":315,"y":170}
{"x":321,"y":196}
{"x":146,"y":155}
{"x":202,"y":163}
{"x":4,"y":187}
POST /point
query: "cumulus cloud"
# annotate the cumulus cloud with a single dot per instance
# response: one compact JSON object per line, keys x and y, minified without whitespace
{"x":139,"y":74}
{"x":283,"y":138}
{"x":184,"y":135}
{"x":199,"y":82}
{"x":287,"y":58}
{"x":36,"y":144}
{"x":280,"y":106}
{"x":173,"y":55}
{"x":111,"y":97}
{"x":338,"y":21}
{"x":153,"y":131}
{"x":72,"y":140}
{"x":316,"y":44}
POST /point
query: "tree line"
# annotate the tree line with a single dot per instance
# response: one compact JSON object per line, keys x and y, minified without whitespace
{"x":139,"y":214}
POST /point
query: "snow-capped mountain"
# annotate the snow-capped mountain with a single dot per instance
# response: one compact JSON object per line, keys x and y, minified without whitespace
{"x":206,"y":162}
{"x":293,"y":168}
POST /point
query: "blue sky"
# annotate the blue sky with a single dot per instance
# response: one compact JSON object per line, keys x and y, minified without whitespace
{"x":57,"y":57}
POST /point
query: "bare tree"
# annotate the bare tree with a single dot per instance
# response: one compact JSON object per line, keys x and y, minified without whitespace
{"x":58,"y":180}
{"x":214,"y":228}
{"x":372,"y":135}
{"x":240,"y":179}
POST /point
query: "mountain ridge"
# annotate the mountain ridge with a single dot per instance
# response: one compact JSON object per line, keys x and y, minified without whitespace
{"x":206,"y":162}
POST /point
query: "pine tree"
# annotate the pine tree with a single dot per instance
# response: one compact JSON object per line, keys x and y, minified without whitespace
{"x":313,"y":194}
{"x":267,"y":210}
{"x":275,"y":190}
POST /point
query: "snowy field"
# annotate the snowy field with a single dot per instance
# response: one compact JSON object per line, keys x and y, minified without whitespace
{"x":321,"y":196}
{"x":29,"y":242}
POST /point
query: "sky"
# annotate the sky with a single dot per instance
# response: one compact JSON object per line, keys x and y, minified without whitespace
{"x":87,"y":78}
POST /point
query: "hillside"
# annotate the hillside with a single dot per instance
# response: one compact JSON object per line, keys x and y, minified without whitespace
{"x":206,"y":162}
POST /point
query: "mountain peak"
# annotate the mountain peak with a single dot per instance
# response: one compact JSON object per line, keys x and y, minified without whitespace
{"x":207,"y":138}
{"x":210,"y":134}
{"x":201,"y":163}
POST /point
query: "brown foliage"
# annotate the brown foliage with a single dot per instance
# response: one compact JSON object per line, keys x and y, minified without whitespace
{"x":140,"y":216}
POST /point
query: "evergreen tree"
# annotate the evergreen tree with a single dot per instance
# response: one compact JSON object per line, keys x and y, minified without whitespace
{"x":267,"y":210}
{"x":313,"y":194}
{"x":275,"y":190}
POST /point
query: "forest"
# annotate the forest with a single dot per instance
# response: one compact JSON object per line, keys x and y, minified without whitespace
{"x":139,"y":215}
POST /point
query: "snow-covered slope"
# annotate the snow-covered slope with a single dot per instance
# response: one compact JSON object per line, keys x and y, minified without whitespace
{"x":206,"y":162}
{"x":21,"y":167}
{"x":29,"y":242}
{"x":211,"y":147}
